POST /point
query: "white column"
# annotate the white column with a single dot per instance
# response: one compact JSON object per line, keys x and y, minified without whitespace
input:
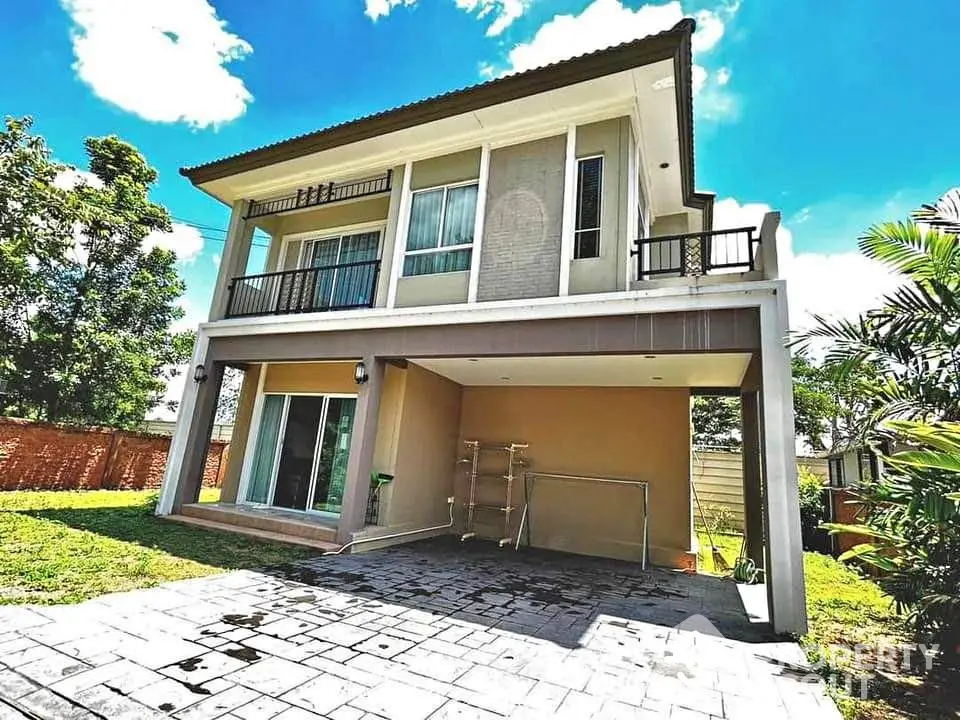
{"x":569,"y":209}
{"x":251,"y":447}
{"x":474,"y":283}
{"x":403,"y":228}
{"x":785,"y":569}
{"x":178,"y":443}
{"x":633,"y":204}
{"x":233,"y":261}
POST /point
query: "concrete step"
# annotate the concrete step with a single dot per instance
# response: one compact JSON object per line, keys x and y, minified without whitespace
{"x":254,"y":532}
{"x":277,"y":524}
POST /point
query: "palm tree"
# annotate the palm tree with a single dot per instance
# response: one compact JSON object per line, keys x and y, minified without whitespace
{"x":912,"y":343}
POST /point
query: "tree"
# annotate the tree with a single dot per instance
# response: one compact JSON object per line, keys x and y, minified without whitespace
{"x":88,"y":340}
{"x":904,"y":357}
{"x":716,"y":421}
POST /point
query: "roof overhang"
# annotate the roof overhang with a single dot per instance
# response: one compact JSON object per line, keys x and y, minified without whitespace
{"x":649,"y":79}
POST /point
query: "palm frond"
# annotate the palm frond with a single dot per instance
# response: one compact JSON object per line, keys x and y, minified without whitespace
{"x":945,"y":213}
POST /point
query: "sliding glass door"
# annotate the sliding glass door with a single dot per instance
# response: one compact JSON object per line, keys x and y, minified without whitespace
{"x":300,"y":459}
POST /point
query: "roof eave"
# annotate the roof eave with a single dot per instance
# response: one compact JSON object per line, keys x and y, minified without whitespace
{"x":672,"y":44}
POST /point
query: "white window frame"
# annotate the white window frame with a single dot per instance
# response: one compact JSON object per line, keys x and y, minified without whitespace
{"x":443,"y":214}
{"x":598,"y":229}
{"x":254,"y":433}
{"x":327,"y":234}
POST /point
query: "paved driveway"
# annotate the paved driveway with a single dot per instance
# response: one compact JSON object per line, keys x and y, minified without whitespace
{"x":431,"y":630}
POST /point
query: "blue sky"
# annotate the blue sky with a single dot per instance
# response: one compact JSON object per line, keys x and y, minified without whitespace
{"x":836,"y":112}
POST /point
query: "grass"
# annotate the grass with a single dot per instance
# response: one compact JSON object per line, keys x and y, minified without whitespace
{"x":844,"y":610}
{"x":66,"y":547}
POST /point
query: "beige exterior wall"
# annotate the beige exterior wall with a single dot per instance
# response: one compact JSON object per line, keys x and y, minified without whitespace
{"x":677,"y":224}
{"x":332,"y":377}
{"x":426,"y":450}
{"x":605,"y":273}
{"x":439,"y":289}
{"x":241,"y":428}
{"x":639,"y":433}
{"x":446,"y":169}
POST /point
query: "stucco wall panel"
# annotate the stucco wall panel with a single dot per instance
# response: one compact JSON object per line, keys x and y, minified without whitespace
{"x":241,"y":429}
{"x":639,"y":433}
{"x":426,"y":449}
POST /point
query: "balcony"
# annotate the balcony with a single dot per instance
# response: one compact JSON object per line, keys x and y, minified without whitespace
{"x":716,"y":252}
{"x":322,"y":194}
{"x":334,"y":287}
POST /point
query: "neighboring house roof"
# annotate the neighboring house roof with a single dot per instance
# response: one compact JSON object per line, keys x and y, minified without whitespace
{"x":674,"y":43}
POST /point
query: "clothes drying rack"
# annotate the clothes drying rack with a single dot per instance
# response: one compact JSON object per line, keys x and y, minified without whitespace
{"x":529,"y":482}
{"x":514,"y":452}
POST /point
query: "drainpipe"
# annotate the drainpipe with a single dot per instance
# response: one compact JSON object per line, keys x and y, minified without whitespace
{"x":450,"y":501}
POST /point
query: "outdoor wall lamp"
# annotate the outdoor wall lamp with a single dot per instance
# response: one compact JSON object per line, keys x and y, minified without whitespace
{"x":360,"y":373}
{"x":200,"y":374}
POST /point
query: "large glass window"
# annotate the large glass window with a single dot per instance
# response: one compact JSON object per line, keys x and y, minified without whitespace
{"x":586,"y":242}
{"x":440,"y":237}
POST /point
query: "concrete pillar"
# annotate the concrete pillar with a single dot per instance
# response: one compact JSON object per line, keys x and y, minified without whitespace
{"x":752,"y":477}
{"x":190,"y":476}
{"x":233,"y":261}
{"x":784,"y":570}
{"x":362,"y":445}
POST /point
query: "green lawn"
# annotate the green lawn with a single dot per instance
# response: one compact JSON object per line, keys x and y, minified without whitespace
{"x":722,"y":561}
{"x":66,"y":547}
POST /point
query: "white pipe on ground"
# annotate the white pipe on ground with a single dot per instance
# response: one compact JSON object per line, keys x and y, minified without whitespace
{"x":450,"y":501}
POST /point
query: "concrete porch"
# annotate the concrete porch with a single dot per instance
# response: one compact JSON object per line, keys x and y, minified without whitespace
{"x":265,"y":523}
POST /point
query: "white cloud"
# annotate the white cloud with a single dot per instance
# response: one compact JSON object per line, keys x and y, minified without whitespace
{"x":70,"y":178}
{"x":836,"y":285}
{"x":381,"y":8}
{"x":605,"y":23}
{"x":164,"y":61}
{"x":504,"y":12}
{"x":185,"y":240}
{"x":216,"y":260}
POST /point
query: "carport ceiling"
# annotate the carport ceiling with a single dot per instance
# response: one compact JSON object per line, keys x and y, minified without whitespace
{"x":690,"y":370}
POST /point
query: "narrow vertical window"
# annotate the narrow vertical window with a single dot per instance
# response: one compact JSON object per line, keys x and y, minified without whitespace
{"x":586,"y":242}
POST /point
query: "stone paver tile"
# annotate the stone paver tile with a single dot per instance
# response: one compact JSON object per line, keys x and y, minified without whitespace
{"x":679,"y":713}
{"x":296,"y":713}
{"x":20,"y":618}
{"x":80,"y":681}
{"x":323,"y":694}
{"x":273,"y":676}
{"x":23,"y":652}
{"x":345,"y":671}
{"x":14,"y":685}
{"x":445,"y":648}
{"x":491,"y":681}
{"x":384,"y":646}
{"x":286,"y":627}
{"x":577,"y":705}
{"x":345,"y":712}
{"x":434,"y":665}
{"x":137,"y":677}
{"x":108,"y":704}
{"x":396,"y":701}
{"x":418,"y":629}
{"x":219,"y":704}
{"x":456,"y":710}
{"x":263,"y":708}
{"x":50,"y":668}
{"x":160,"y":651}
{"x":545,"y":696}
{"x":615,"y":710}
{"x":280,"y":648}
{"x":47,"y":704}
{"x":341,"y":633}
{"x":167,"y":695}
{"x":338,"y":654}
{"x":485,"y":701}
{"x":198,"y":670}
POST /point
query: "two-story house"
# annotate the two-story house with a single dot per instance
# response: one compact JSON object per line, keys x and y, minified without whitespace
{"x":523,"y":267}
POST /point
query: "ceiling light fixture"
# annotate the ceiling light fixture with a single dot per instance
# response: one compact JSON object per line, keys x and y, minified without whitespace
{"x":656,"y":378}
{"x":664,"y":165}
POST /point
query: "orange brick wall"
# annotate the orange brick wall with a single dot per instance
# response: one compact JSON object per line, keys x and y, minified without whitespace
{"x":849,"y":513}
{"x":41,"y":456}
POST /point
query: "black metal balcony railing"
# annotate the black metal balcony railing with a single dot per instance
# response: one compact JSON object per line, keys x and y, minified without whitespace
{"x":337,"y":287}
{"x":321,"y":194}
{"x":696,"y":254}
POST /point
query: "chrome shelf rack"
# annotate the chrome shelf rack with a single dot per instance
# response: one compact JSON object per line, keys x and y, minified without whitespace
{"x":514,"y":453}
